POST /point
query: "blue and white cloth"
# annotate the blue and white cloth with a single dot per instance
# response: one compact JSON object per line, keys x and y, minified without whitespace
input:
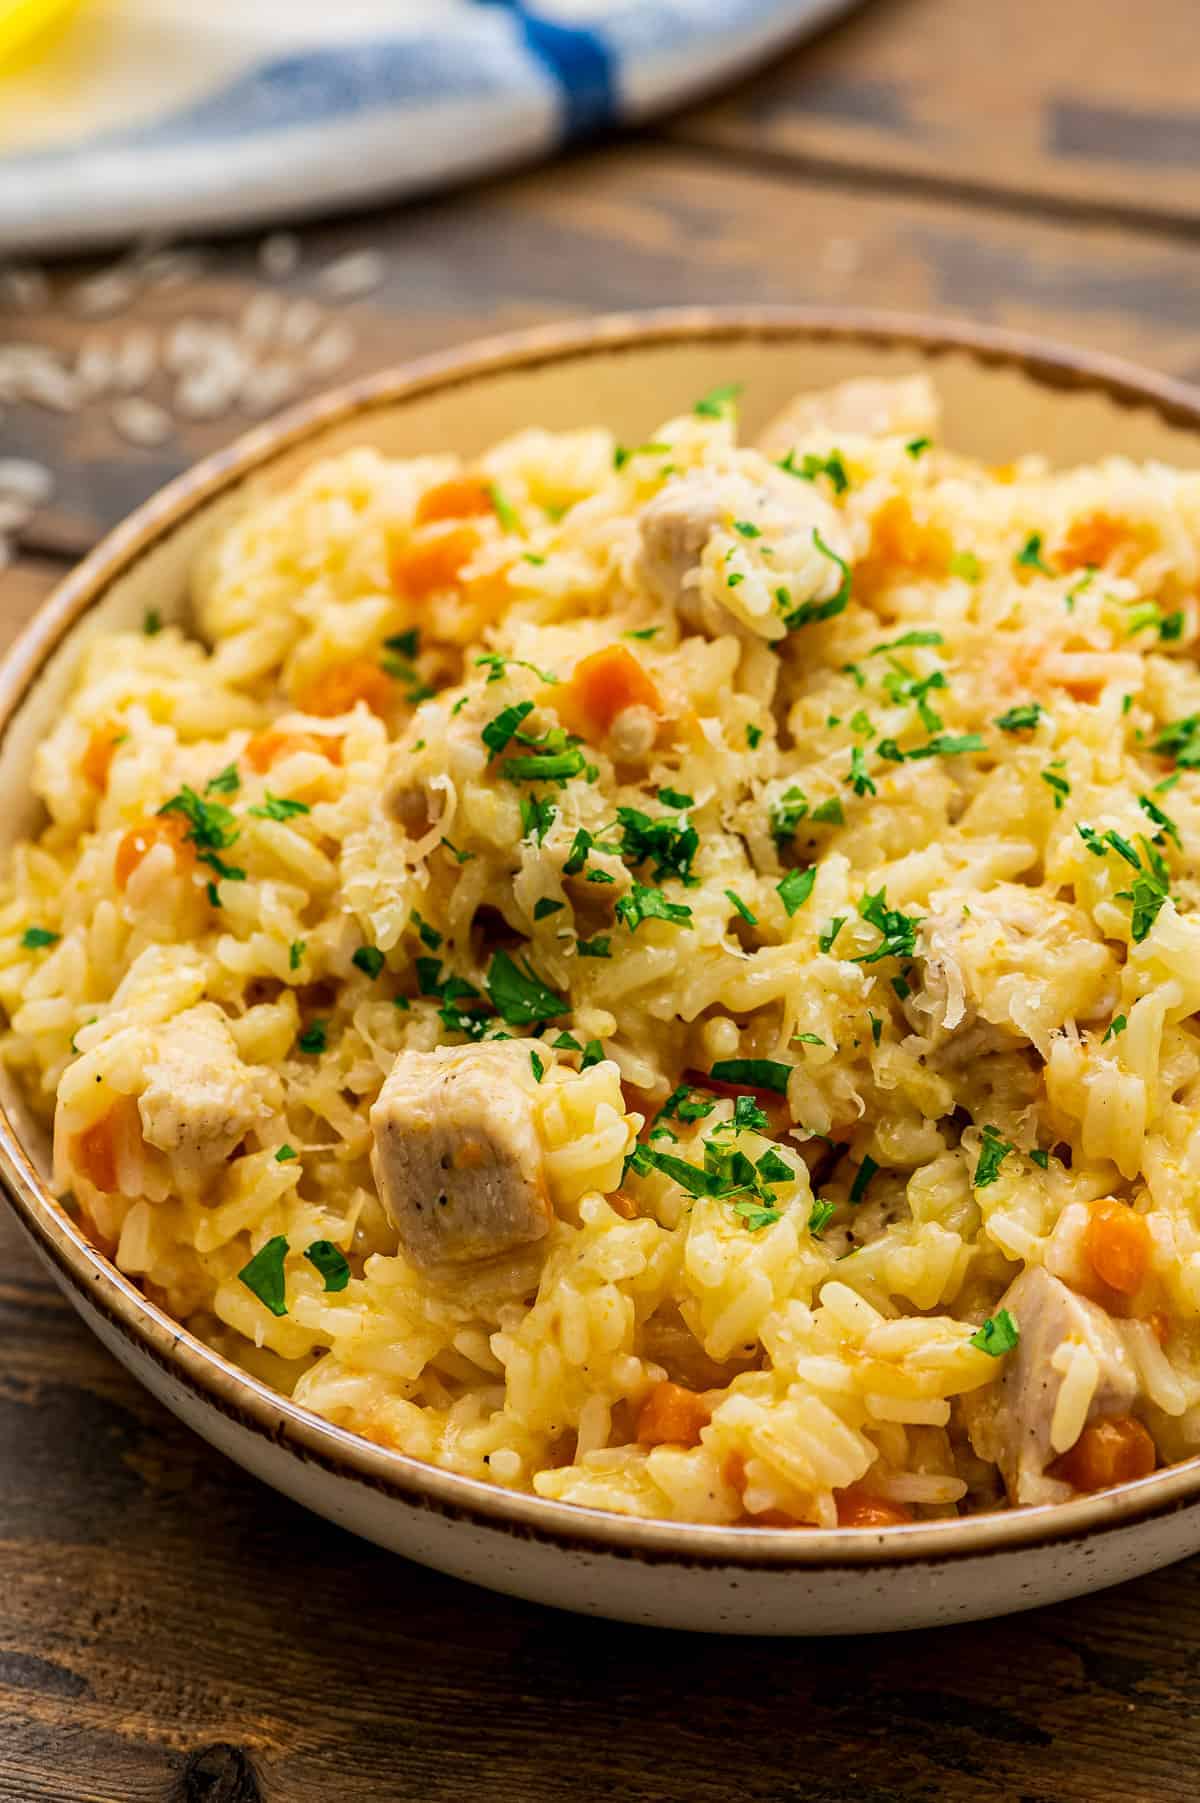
{"x":147,"y":116}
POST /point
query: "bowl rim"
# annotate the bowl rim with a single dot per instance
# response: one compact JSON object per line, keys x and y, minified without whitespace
{"x":244,"y":1399}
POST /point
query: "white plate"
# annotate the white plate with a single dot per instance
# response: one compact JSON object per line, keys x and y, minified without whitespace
{"x":162,"y":116}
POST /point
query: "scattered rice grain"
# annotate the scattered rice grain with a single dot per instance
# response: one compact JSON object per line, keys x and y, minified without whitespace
{"x":140,"y":421}
{"x":354,"y":274}
{"x":279,"y":255}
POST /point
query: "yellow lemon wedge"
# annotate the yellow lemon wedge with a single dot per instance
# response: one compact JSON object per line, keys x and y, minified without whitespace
{"x":23,"y":23}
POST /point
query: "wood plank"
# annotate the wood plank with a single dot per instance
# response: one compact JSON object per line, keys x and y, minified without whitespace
{"x":171,"y":1628}
{"x":635,"y":226}
{"x":1088,"y":102}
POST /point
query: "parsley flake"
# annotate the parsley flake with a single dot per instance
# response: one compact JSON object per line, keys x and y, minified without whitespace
{"x":329,"y":1263}
{"x":796,"y":888}
{"x":368,"y":958}
{"x":263,"y":1275}
{"x":519,"y":997}
{"x":998,"y":1335}
{"x":992,"y":1154}
{"x":34,"y":939}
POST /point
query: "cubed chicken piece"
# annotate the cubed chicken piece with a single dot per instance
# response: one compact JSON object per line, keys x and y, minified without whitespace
{"x":906,"y":405}
{"x":1010,"y":966}
{"x":1070,"y":1366}
{"x":199,"y":1099}
{"x":457,"y":1157}
{"x":747,"y":517}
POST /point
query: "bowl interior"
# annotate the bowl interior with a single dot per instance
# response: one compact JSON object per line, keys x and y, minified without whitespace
{"x":995,"y":404}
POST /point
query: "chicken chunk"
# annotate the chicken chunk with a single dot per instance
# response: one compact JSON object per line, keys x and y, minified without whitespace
{"x":1010,"y":966}
{"x":457,"y":1157}
{"x":707,"y":525}
{"x":866,"y":408}
{"x":1018,"y":1422}
{"x":199,"y":1098}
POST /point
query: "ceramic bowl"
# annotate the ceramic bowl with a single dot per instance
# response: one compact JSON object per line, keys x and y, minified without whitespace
{"x":1002,"y":395}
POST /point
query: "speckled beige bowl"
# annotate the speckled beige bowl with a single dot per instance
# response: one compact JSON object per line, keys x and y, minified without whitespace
{"x":1002,"y":395}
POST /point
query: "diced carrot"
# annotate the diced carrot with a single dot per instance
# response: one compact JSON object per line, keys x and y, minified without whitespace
{"x":98,"y":754}
{"x":1117,"y":1244}
{"x":94,"y":1153}
{"x":1094,"y":540}
{"x":338,"y":689}
{"x":603,"y":686}
{"x":432,"y":561}
{"x":734,"y":1471}
{"x":623,"y":1205}
{"x":900,"y":545}
{"x":460,"y":498}
{"x":160,"y":829}
{"x":672,"y":1416}
{"x":857,"y":1508}
{"x":1159,"y":1325}
{"x":1113,"y":1451}
{"x":266,"y":748}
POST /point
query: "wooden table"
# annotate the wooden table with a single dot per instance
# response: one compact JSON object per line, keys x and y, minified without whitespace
{"x":169,"y":1629}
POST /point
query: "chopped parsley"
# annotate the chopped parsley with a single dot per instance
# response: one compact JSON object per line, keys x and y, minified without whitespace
{"x":593,"y":1053}
{"x":756,"y":1215}
{"x":519,"y":997}
{"x":948,"y":745}
{"x":684,"y":1104}
{"x":211,"y":829}
{"x":460,"y":857}
{"x":796,"y":888}
{"x":862,"y":1178}
{"x":750,"y":918}
{"x":825,"y":940}
{"x":537,"y":817}
{"x":966,"y":565}
{"x":719,"y":402}
{"x":811,"y":466}
{"x":313,"y":1038}
{"x":296,"y":952}
{"x":1116,"y":1028}
{"x":1181,"y":741}
{"x":506,"y":513}
{"x":643,"y":903}
{"x":786,"y":813}
{"x":225,"y":782}
{"x":34,"y":939}
{"x":1020,"y":718}
{"x":404,"y":644}
{"x":1151,"y":888}
{"x":622,"y":455}
{"x":998,"y":1335}
{"x":330,"y":1263}
{"x":1030,"y":557}
{"x":829,"y":812}
{"x":1160,"y":819}
{"x":263,"y":1275}
{"x":748,"y":1116}
{"x":899,"y":931}
{"x":992,"y":1154}
{"x":152,"y":623}
{"x":754,"y":737}
{"x":428,"y":935}
{"x":642,"y":632}
{"x":809,"y":611}
{"x":497,"y":733}
{"x":916,"y":447}
{"x":545,"y":906}
{"x":755,"y":1073}
{"x":1040,"y":1158}
{"x":1058,"y":785}
{"x":279,"y":807}
{"x":286,"y":1154}
{"x":368,"y":958}
{"x":876,"y":1027}
{"x":918,"y":636}
{"x":496,"y":665}
{"x":820,"y":1216}
{"x":857,"y":775}
{"x":669,"y":843}
{"x":746,"y":529}
{"x":552,"y":758}
{"x":594,"y":948}
{"x":537,"y":1066}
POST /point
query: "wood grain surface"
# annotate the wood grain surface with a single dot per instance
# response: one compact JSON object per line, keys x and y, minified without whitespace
{"x":173,"y":1632}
